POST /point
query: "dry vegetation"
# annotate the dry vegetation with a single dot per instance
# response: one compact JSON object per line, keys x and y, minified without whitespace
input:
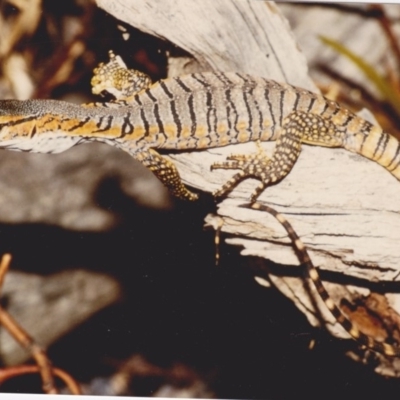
{"x":116,"y":279}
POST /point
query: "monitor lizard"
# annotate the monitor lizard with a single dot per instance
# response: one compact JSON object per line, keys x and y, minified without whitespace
{"x":195,"y":112}
{"x":202,"y":111}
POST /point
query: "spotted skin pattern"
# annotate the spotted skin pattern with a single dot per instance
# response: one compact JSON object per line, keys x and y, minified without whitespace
{"x":195,"y":112}
{"x":312,"y":274}
{"x":202,"y":111}
{"x":116,"y":79}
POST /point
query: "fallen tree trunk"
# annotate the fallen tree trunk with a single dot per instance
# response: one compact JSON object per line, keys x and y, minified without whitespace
{"x":342,"y":206}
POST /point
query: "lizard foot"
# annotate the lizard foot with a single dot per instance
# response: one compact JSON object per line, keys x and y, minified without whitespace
{"x":256,"y":165}
{"x":166,"y":172}
{"x":259,"y":166}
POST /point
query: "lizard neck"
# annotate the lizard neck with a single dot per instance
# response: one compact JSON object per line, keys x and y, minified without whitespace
{"x":31,"y":117}
{"x":50,"y":126}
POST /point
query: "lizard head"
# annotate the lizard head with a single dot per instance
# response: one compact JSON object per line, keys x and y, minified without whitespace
{"x":114,"y":78}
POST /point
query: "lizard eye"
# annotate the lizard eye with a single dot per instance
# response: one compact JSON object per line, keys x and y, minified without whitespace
{"x":107,"y":95}
{"x":10,"y":11}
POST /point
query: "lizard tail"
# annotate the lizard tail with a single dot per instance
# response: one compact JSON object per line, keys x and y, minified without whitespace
{"x":313,"y":275}
{"x":377,"y":145}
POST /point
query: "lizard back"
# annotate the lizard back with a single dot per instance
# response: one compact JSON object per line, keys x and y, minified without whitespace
{"x":193,"y":111}
{"x":196,"y":111}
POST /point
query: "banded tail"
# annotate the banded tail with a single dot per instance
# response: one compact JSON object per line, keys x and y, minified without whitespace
{"x":313,"y":275}
{"x":372,"y":142}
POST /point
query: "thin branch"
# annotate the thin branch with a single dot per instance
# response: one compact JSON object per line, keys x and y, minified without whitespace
{"x":22,"y":337}
{"x":12,"y":372}
{"x":4,"y":266}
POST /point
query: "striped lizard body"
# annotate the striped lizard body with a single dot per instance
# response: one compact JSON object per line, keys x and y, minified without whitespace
{"x":201,"y":111}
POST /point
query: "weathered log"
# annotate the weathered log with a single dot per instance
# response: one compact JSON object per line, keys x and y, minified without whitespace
{"x":343,"y":206}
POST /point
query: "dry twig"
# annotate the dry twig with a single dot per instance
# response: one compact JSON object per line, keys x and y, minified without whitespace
{"x":44,"y":366}
{"x":12,"y":372}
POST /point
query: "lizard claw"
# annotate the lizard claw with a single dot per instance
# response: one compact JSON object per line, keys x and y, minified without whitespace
{"x":225,"y":165}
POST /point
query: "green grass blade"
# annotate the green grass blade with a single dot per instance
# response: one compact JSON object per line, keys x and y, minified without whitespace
{"x":385,"y":88}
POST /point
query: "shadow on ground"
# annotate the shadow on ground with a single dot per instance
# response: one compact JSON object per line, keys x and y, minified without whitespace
{"x":177,"y":306}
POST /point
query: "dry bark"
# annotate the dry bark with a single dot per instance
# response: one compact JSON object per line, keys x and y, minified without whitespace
{"x":342,"y":206}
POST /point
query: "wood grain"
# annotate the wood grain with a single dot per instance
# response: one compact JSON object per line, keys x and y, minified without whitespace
{"x":344,"y":207}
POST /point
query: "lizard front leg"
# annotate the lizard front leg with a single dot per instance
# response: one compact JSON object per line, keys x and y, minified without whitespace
{"x":298,"y":127}
{"x":166,"y":172}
